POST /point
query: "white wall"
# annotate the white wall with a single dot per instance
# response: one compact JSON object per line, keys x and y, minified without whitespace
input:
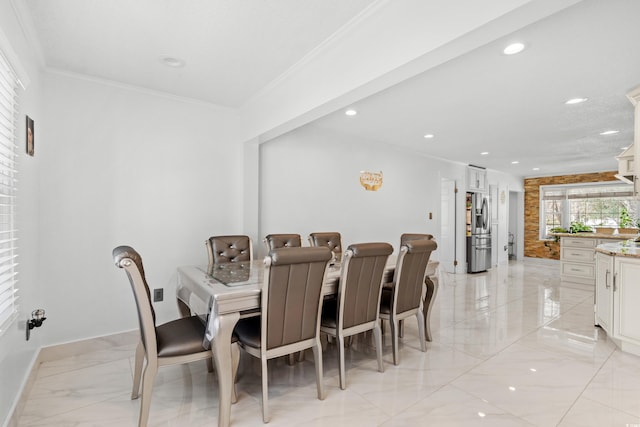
{"x":310,"y":182}
{"x":120,"y":166}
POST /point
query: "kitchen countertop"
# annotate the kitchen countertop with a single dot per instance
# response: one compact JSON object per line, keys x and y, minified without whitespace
{"x":592,"y":235}
{"x":628,"y":248}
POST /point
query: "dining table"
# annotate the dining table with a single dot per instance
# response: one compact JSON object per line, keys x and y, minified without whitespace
{"x":221,"y":294}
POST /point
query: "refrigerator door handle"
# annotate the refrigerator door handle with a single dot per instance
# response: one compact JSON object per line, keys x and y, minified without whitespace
{"x":485,"y":215}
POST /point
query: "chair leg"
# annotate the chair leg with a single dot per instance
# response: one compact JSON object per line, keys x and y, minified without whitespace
{"x":429,"y":298}
{"x":149,"y":376}
{"x":377,"y":335}
{"x":235,"y":362}
{"x":209,"y":365}
{"x":265,"y":392}
{"x":291,"y":359}
{"x":137,"y":370}
{"x":317,"y":358}
{"x":394,"y":339}
{"x":420,"y":319}
{"x":343,"y":375}
{"x":401,"y":329}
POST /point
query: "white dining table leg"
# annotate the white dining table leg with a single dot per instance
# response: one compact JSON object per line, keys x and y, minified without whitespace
{"x":221,"y":347}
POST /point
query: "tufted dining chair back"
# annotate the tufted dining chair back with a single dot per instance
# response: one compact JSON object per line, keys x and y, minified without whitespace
{"x":331,"y":240}
{"x":276,"y":241}
{"x":226,"y":249}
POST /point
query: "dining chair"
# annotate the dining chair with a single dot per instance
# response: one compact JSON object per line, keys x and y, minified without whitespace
{"x":226,"y":249}
{"x":404,"y":298}
{"x":405,"y":237}
{"x":275,"y":241}
{"x":176,"y":342}
{"x":356,"y":309}
{"x":291,"y":302}
{"x":331,"y":240}
{"x":291,"y":240}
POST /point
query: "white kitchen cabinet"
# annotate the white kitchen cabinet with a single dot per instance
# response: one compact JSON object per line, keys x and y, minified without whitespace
{"x":604,"y":293}
{"x":626,"y":297}
{"x":477,"y":180}
{"x":577,"y":258}
{"x":617,"y":299}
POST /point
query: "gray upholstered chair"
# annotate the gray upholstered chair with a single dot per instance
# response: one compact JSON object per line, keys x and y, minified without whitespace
{"x":176,"y":342}
{"x":331,"y":240}
{"x":275,"y":241}
{"x":356,"y":309}
{"x":431,"y":287}
{"x":404,"y":298}
{"x":295,"y":276}
{"x":225,"y":249}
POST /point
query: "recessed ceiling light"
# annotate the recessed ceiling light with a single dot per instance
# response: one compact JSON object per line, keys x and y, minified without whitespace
{"x":484,"y":153}
{"x":172,"y":61}
{"x":575,"y":101}
{"x":515,"y":162}
{"x":351,"y":112}
{"x":429,"y":135}
{"x":624,"y":148}
{"x":513,"y":48}
{"x":536,"y":169}
{"x":609,"y":132}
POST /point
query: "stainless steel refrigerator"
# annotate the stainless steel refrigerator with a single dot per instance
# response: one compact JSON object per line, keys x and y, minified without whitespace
{"x":478,"y":233}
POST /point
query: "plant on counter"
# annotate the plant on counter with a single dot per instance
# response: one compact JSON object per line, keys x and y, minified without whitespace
{"x":625,"y":219}
{"x":579,"y":227}
{"x":559,"y":230}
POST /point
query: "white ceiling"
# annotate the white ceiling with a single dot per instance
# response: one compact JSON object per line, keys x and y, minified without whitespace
{"x":512,"y":107}
{"x":231,"y":48}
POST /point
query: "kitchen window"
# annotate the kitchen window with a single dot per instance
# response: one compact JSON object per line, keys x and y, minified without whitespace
{"x":594,"y":205}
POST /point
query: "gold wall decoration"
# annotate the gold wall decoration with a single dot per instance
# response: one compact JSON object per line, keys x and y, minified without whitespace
{"x":371,"y":181}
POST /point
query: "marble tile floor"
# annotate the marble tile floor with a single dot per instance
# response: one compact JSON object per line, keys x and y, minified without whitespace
{"x":514,"y":346}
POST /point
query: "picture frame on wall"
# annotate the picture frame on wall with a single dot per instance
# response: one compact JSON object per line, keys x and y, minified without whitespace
{"x":30,"y":136}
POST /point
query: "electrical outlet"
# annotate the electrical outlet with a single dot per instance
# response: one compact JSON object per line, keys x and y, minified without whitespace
{"x":158,"y":294}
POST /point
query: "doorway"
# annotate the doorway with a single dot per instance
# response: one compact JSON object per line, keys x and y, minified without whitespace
{"x":448,"y":232}
{"x":516,"y":223}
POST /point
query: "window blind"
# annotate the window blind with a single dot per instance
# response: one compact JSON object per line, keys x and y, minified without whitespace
{"x":8,"y":154}
{"x":586,"y":192}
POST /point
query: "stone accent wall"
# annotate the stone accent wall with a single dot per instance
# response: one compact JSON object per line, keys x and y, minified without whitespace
{"x":533,"y":247}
